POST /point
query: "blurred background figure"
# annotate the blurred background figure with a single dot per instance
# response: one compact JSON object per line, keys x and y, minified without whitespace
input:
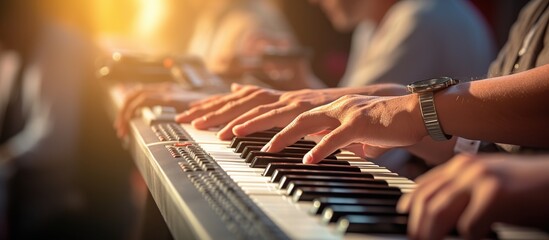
{"x":230,"y":29}
{"x":43,"y":64}
{"x":51,"y":153}
{"x":395,"y":41}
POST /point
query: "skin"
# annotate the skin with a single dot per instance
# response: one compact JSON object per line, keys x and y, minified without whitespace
{"x":146,"y":96}
{"x":473,"y":192}
{"x":494,"y":110}
{"x":250,"y":109}
{"x":355,"y":119}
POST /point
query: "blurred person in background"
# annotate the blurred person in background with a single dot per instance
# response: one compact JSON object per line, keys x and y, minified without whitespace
{"x":230,"y":29}
{"x":49,"y":184}
{"x":395,"y":41}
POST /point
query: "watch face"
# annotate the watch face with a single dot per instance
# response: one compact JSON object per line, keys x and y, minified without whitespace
{"x":431,"y":84}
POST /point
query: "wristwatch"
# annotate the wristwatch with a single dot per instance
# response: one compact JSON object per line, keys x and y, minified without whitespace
{"x":425,"y":89}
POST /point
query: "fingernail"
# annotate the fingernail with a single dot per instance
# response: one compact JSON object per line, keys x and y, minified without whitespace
{"x":266,"y":147}
{"x":237,"y":130}
{"x":308,"y":158}
{"x":196,"y":122}
{"x":224,"y":135}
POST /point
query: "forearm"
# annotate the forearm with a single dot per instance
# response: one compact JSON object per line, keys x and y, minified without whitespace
{"x":382,"y":89}
{"x":511,"y":109}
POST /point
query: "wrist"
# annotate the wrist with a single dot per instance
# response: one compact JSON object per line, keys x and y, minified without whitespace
{"x":416,"y":118}
{"x":425,"y":91}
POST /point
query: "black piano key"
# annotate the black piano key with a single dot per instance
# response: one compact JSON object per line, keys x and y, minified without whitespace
{"x":237,"y":140}
{"x":365,"y":179}
{"x":334,"y":212}
{"x":298,"y":150}
{"x":245,"y":147}
{"x":251,"y":155}
{"x":299,"y":184}
{"x":328,"y":167}
{"x":310,"y":193}
{"x":279,"y":173}
{"x":384,"y":225}
{"x":372,"y":224}
{"x":244,"y":144}
{"x":263,"y":162}
{"x":319,"y":204}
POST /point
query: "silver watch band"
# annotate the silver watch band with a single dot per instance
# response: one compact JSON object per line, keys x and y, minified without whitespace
{"x":430,"y":117}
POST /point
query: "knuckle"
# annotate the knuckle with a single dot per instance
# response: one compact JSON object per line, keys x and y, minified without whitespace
{"x":302,"y":104}
{"x":249,"y":89}
{"x":274,"y":112}
{"x":302,"y":118}
{"x":230,"y":104}
{"x":327,"y":140}
{"x":262,"y":108}
{"x":350,"y":96}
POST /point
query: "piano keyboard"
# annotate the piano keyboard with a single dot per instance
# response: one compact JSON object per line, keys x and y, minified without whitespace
{"x":211,"y":189}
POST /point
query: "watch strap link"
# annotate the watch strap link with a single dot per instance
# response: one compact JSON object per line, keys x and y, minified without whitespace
{"x":430,"y":117}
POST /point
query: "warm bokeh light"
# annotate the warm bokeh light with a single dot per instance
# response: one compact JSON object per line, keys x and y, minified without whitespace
{"x":149,"y":26}
{"x":151,"y":13}
{"x":114,"y":16}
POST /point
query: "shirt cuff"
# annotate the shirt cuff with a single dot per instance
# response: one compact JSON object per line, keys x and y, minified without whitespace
{"x":464,"y":145}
